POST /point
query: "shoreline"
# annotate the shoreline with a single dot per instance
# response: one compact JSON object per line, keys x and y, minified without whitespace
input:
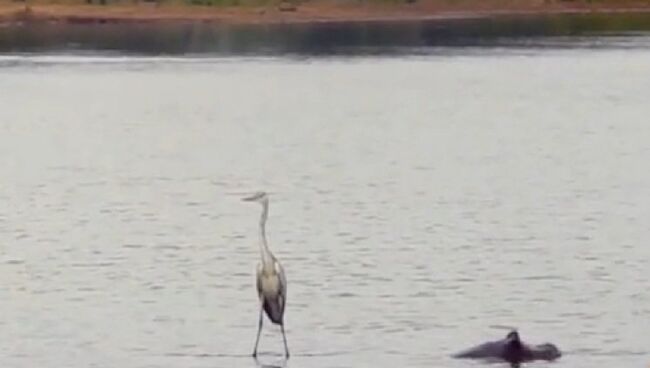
{"x":316,"y":12}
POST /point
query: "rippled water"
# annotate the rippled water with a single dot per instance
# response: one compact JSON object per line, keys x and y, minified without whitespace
{"x":417,"y":203}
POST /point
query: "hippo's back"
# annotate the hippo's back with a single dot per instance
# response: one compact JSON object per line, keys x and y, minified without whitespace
{"x":492,"y":349}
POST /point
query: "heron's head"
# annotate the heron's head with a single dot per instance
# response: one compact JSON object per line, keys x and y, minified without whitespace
{"x":259,"y":197}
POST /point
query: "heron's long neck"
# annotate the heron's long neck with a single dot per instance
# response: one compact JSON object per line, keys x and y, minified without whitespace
{"x":267,"y":257}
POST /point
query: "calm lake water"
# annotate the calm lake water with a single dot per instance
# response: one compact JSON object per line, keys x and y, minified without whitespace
{"x":418,"y":203}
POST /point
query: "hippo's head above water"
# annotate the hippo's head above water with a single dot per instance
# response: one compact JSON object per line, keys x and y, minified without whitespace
{"x":547,"y":351}
{"x":512,"y":350}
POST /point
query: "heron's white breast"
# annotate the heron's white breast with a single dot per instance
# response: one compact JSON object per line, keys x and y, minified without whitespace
{"x":270,"y":284}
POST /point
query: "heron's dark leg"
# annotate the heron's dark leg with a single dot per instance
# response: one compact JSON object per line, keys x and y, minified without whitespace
{"x":284,"y":337}
{"x":259,"y":331}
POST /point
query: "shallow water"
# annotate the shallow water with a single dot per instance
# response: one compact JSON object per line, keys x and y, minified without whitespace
{"x":418,"y":203}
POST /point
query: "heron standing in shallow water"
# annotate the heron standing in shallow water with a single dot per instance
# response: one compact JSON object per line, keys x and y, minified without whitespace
{"x":271,"y":282}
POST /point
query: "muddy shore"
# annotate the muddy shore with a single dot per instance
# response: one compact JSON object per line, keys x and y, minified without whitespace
{"x":314,"y":11}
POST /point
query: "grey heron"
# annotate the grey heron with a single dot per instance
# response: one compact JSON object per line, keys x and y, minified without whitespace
{"x":271,"y":282}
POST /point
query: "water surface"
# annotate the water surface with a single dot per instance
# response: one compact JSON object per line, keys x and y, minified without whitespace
{"x":417,"y":202}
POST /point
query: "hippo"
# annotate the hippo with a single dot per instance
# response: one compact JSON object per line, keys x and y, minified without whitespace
{"x":512,"y":350}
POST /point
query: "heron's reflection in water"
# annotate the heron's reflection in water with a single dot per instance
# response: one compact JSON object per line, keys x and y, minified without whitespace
{"x":271,"y":362}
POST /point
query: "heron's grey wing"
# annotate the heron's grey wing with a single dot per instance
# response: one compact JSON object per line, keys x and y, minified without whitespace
{"x":283,"y":285}
{"x":258,"y":280}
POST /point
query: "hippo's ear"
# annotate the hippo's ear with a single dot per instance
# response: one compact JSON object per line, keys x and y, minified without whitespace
{"x":513,"y":335}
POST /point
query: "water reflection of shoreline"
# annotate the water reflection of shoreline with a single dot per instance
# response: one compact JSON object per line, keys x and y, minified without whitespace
{"x":315,"y":39}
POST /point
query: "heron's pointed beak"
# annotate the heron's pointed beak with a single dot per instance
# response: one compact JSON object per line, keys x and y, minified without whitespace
{"x":250,"y":198}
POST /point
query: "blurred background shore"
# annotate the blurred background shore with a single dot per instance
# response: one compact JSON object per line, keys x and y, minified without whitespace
{"x":294,"y":11}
